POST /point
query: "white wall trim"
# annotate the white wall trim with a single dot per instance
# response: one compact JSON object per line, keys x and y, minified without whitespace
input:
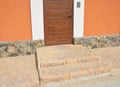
{"x":37,"y":19}
{"x":78,"y":19}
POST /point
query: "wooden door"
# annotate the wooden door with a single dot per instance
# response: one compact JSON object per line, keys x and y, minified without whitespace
{"x":58,"y":21}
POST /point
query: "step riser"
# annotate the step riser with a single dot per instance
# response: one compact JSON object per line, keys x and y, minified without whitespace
{"x":55,"y":78}
{"x":75,"y":75}
{"x":27,"y":85}
{"x":90,"y":72}
{"x":68,"y":61}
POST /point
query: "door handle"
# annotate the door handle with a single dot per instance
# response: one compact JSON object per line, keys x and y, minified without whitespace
{"x":69,"y":16}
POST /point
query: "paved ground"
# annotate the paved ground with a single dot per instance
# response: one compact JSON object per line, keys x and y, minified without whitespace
{"x":109,"y":81}
{"x":109,"y":56}
{"x":18,"y":72}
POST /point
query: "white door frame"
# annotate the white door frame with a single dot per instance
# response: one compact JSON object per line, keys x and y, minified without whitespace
{"x":37,"y":18}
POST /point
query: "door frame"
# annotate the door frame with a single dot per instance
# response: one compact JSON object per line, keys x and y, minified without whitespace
{"x":37,"y":19}
{"x":45,"y":19}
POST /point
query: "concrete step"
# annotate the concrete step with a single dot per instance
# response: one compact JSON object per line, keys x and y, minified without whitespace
{"x":71,"y":71}
{"x":63,"y":54}
{"x":65,"y":62}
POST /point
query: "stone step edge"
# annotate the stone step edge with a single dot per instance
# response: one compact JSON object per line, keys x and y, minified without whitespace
{"x":68,"y":61}
{"x":74,"y":75}
{"x":28,"y":85}
{"x":115,"y":71}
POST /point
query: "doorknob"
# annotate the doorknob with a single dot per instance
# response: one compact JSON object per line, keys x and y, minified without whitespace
{"x":69,"y":16}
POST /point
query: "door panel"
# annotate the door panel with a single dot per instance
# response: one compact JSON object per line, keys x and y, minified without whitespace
{"x":58,"y":17}
{"x":57,"y":13}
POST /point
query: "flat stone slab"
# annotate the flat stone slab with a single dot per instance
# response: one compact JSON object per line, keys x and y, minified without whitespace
{"x":109,"y":56}
{"x":107,"y":81}
{"x":60,"y":52}
{"x":18,"y":72}
{"x":63,"y":54}
{"x":69,"y":62}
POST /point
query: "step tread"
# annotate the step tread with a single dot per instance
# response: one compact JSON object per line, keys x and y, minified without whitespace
{"x":61,"y":52}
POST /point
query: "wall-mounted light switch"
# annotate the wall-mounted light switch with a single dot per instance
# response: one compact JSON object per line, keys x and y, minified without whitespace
{"x":78,"y":4}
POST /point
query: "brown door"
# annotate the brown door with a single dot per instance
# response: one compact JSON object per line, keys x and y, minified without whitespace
{"x":58,"y":17}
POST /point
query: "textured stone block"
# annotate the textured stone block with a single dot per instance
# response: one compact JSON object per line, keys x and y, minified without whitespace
{"x":78,"y":74}
{"x":107,"y":69}
{"x":98,"y":41}
{"x":18,"y":72}
{"x":69,"y":61}
{"x":88,"y":58}
{"x":87,"y":62}
{"x":91,"y":72}
{"x":28,"y":85}
{"x":55,"y":78}
{"x":19,"y":48}
{"x":99,"y":71}
{"x":52,"y":63}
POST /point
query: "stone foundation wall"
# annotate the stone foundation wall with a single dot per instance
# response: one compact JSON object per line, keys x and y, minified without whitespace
{"x":20,"y":48}
{"x":98,"y":41}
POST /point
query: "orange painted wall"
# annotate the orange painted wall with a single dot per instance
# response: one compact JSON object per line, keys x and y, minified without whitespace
{"x":15,"y":21}
{"x":102,"y":17}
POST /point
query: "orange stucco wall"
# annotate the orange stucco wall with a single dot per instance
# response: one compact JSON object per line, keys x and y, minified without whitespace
{"x":102,"y":17}
{"x":15,"y":21}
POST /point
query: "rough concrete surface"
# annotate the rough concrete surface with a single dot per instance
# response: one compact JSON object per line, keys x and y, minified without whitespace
{"x":18,"y":72}
{"x":62,"y":52}
{"x":73,"y":60}
{"x":109,"y":81}
{"x":107,"y":57}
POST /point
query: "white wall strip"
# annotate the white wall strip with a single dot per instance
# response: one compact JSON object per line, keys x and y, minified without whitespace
{"x":78,"y":19}
{"x":37,"y":19}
